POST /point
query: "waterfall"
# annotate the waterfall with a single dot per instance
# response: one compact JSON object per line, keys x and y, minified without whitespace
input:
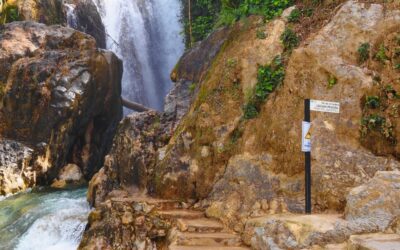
{"x":71,"y":16}
{"x":146,"y":35}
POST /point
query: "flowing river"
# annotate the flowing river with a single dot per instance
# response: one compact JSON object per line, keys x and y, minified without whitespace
{"x":43,"y":219}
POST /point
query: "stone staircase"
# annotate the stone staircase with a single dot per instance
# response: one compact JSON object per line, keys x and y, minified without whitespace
{"x":193,"y":231}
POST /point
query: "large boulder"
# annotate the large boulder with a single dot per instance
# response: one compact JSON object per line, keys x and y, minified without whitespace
{"x":59,"y":94}
{"x":376,"y":201}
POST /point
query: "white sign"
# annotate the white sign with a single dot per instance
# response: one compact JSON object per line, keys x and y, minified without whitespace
{"x":324,"y":106}
{"x":306,"y":137}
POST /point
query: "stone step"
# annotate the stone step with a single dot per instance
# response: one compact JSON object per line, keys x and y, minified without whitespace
{"x":175,"y":247}
{"x":181,"y":214}
{"x":157,"y":203}
{"x":199,"y":225}
{"x":208,"y":239}
{"x":374,"y":242}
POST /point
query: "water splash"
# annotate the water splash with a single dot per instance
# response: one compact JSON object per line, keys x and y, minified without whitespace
{"x":146,"y":35}
{"x":40,"y":220}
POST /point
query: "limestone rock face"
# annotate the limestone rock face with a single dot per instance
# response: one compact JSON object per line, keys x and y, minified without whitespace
{"x":59,"y":94}
{"x":15,"y":173}
{"x":133,"y":156}
{"x":376,"y":201}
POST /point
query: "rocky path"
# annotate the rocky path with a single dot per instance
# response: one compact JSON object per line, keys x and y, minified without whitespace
{"x":193,"y":231}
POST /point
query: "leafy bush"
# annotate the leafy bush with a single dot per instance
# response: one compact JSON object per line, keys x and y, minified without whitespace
{"x":332,"y":81}
{"x":250,"y":111}
{"x":269,"y":77}
{"x":233,"y":10}
{"x":373,"y":121}
{"x":372,"y":102}
{"x":289,"y":39}
{"x":208,"y":14}
{"x":294,"y":16}
{"x":381,"y":54}
{"x":9,"y":14}
{"x":363,"y":52}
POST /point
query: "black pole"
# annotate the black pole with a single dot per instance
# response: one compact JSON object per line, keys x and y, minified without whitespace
{"x":307,"y":118}
{"x":307,"y":158}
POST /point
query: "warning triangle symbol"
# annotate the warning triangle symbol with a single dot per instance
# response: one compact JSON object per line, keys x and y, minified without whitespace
{"x":308,"y":135}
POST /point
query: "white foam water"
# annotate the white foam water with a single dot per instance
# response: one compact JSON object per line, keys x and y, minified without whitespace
{"x":43,"y":220}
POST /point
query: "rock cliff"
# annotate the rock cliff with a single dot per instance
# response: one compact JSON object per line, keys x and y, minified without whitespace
{"x":238,"y":158}
{"x":60,"y":97}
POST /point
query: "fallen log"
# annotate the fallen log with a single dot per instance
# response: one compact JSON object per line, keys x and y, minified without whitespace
{"x":134,"y":106}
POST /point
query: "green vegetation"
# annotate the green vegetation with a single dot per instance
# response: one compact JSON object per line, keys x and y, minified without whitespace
{"x":381,"y":54}
{"x":332,"y":81}
{"x":269,"y":78}
{"x":372,"y":102}
{"x":192,"y":87}
{"x":202,"y":16}
{"x":363,"y":52}
{"x":9,"y":14}
{"x":294,"y":16}
{"x":232,"y":62}
{"x":373,"y":121}
{"x":289,"y":39}
{"x":260,"y":34}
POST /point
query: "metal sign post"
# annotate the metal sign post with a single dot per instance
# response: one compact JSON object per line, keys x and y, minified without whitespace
{"x":307,"y":153}
{"x":314,"y":105}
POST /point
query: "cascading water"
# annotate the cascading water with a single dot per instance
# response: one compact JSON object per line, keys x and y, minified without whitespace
{"x":146,"y":35}
{"x":43,"y":219}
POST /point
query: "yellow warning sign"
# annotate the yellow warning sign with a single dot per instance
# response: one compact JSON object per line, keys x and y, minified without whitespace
{"x":308,"y":135}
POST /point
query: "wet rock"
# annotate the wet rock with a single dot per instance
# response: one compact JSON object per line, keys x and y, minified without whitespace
{"x":376,"y":201}
{"x":60,"y":94}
